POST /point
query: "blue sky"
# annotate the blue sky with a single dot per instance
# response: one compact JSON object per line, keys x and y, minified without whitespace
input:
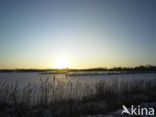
{"x":87,"y":33}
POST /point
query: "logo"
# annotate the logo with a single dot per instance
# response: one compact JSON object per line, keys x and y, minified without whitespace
{"x":137,"y":110}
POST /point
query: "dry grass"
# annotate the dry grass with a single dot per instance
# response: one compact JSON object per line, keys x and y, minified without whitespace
{"x":67,"y":97}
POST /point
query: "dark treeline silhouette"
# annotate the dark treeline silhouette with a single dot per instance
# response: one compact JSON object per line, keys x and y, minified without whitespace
{"x":26,"y":70}
{"x":138,"y":68}
{"x":147,"y":68}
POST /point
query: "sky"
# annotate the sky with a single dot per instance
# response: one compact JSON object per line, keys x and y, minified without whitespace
{"x":86,"y":33}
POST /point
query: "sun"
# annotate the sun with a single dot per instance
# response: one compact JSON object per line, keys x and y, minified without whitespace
{"x":61,"y":63}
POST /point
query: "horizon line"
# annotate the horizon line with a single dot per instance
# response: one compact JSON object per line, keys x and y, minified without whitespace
{"x":77,"y":68}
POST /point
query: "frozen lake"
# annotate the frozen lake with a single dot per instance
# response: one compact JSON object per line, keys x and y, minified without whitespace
{"x":34,"y":77}
{"x":76,"y":87}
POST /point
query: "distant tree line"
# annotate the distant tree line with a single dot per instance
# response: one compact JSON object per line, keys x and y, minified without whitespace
{"x":147,"y":68}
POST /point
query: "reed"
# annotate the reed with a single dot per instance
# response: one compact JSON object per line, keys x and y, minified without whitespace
{"x":68,"y":97}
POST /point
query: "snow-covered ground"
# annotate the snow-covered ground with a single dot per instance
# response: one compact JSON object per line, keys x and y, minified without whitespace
{"x":77,"y":89}
{"x":34,"y":78}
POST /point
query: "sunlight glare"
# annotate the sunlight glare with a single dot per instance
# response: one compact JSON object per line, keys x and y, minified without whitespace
{"x":62,"y":63}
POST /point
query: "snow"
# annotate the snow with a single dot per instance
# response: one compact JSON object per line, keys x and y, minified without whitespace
{"x":34,"y":78}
